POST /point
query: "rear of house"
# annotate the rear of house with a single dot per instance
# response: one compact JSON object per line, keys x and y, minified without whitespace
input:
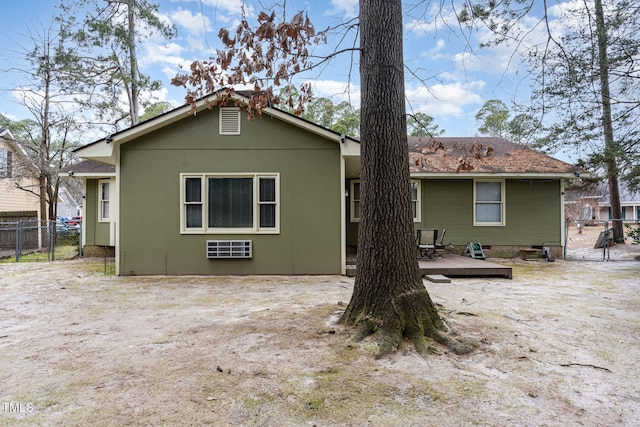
{"x":216,"y":193}
{"x":509,"y":199}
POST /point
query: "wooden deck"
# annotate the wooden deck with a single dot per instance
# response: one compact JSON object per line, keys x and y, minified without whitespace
{"x":450,"y":265}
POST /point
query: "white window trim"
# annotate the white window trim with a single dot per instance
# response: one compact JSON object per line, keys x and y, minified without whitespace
{"x":6,"y":158}
{"x":418,"y":216}
{"x":101,"y":200}
{"x":352,"y":201}
{"x":256,"y":229}
{"x":229,"y":116}
{"x":502,"y":221}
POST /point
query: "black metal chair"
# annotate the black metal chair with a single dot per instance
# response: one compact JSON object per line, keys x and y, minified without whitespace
{"x":441,"y":244}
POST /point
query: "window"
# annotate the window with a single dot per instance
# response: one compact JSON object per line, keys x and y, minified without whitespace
{"x":415,"y":200}
{"x":5,"y":163}
{"x":229,"y":121}
{"x":193,"y":202}
{"x":488,"y":208}
{"x":103,"y":201}
{"x":230,"y":203}
{"x":623,"y":212}
{"x":355,"y":200}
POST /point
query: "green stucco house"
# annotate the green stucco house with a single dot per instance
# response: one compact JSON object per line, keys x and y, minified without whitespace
{"x":213,"y":193}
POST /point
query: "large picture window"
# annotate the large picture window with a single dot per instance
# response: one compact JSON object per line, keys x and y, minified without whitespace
{"x":230,"y":203}
{"x":355,"y":200}
{"x":488,"y":207}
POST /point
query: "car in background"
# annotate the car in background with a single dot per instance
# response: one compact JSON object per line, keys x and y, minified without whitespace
{"x":76,"y":220}
{"x":64,"y":229}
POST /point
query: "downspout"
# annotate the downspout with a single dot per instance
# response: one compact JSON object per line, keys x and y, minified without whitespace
{"x":563,"y":234}
{"x":116,"y":209}
{"x":343,"y":216}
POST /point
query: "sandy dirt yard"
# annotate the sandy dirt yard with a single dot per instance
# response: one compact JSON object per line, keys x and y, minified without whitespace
{"x":560,"y":345}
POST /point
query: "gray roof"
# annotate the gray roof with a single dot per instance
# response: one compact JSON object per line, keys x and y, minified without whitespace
{"x":626,"y":195}
{"x":90,"y":166}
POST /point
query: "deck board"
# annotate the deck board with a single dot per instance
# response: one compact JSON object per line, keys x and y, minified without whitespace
{"x":450,"y":265}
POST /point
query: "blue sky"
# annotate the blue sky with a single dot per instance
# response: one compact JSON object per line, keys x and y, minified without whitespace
{"x":454,"y":78}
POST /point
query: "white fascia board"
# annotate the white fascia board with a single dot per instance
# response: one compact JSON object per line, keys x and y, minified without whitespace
{"x":350,"y":148}
{"x":151,"y":125}
{"x":88,"y":174}
{"x":286,"y":117}
{"x":101,"y":151}
{"x":154,"y":124}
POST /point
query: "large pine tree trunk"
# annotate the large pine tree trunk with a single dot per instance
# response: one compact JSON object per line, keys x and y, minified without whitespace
{"x":134,"y":101}
{"x":611,"y":146}
{"x":389,"y":298}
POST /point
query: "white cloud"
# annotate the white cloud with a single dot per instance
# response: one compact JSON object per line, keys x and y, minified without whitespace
{"x":228,"y":10}
{"x":436,"y":52}
{"x":195,"y":25}
{"x":163,"y":54}
{"x":337,"y":91}
{"x":156,"y":96}
{"x":433,"y":20}
{"x":443,"y":101}
{"x":346,"y":8}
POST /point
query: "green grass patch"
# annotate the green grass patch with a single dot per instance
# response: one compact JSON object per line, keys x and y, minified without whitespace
{"x":61,"y":253}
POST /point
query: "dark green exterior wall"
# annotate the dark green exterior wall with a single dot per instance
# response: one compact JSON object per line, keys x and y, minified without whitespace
{"x":532,"y":213}
{"x":96,"y":233}
{"x":310,"y":190}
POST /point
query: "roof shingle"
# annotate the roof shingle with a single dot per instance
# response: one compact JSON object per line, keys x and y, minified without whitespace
{"x":485,"y":154}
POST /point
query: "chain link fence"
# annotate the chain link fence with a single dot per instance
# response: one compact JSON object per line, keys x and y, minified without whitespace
{"x":594,"y":241}
{"x":33,"y":240}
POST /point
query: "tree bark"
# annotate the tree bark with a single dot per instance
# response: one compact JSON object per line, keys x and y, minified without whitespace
{"x":134,"y":103}
{"x":389,"y":298}
{"x":611,"y":147}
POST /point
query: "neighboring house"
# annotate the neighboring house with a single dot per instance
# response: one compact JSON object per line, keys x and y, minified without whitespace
{"x":16,"y":173}
{"x":99,"y":233}
{"x":581,"y":202}
{"x":629,"y":202}
{"x":215,"y":193}
{"x":67,"y":206}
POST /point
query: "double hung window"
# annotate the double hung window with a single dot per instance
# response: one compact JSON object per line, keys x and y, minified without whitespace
{"x":103,"y":201}
{"x":230,"y":203}
{"x":489,"y":202}
{"x":355,"y":200}
{"x":5,"y":163}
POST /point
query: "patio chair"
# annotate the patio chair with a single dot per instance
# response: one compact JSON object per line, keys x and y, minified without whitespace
{"x":426,"y":239}
{"x":441,"y":244}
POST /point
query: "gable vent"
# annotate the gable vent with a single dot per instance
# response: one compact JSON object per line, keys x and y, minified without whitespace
{"x":229,"y":121}
{"x":228,"y":249}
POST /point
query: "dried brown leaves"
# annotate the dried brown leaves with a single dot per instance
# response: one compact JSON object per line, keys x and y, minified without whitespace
{"x":468,"y":153}
{"x":264,"y":57}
